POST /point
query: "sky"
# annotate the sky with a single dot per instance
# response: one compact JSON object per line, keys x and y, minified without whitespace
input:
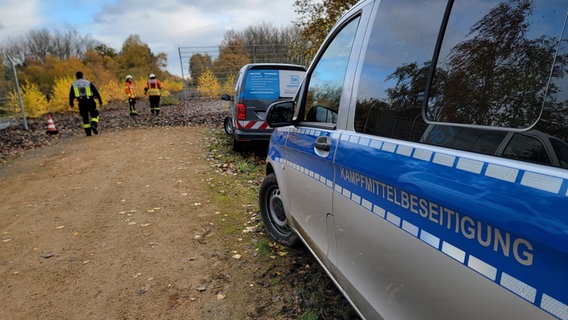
{"x":164,"y":25}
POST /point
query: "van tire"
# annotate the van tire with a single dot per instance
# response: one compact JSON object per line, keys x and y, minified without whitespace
{"x":273,"y":215}
{"x":228,"y":125}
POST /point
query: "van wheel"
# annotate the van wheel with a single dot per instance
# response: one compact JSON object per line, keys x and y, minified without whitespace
{"x":272,"y":211}
{"x":228,"y":125}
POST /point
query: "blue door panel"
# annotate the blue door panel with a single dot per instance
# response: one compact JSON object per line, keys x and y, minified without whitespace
{"x":509,"y":224}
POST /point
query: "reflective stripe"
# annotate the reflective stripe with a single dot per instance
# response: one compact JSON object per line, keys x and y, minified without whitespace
{"x":82,"y":84}
{"x":256,"y":125}
{"x":86,"y":125}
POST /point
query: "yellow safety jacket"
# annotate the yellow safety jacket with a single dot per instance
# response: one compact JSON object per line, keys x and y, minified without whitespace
{"x":153,"y":87}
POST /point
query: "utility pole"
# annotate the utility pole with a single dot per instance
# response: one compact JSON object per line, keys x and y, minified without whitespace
{"x":19,"y":94}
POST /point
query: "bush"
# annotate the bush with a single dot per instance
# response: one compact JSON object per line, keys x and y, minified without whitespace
{"x":35,"y":102}
{"x":208,"y":85}
{"x":60,"y":95}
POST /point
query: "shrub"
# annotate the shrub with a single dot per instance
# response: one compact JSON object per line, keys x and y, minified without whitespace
{"x":228,"y":85}
{"x":112,"y":91}
{"x":208,"y":85}
{"x":35,"y":102}
{"x":60,"y":95}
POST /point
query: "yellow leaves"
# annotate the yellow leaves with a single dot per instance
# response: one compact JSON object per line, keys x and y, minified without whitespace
{"x":208,"y":85}
{"x":172,"y":85}
{"x":111,"y":90}
{"x":60,"y":94}
{"x":35,"y":102}
{"x":228,"y":85}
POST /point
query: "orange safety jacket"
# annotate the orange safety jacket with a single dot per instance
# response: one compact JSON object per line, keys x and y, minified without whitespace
{"x":129,"y":88}
{"x":153,"y":87}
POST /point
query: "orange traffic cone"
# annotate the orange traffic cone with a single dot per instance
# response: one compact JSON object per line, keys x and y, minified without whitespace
{"x":51,"y":126}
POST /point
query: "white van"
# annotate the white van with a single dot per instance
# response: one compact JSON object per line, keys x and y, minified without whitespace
{"x":423,"y":160}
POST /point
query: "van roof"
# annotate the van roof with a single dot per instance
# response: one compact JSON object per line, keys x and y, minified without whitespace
{"x":272,"y":66}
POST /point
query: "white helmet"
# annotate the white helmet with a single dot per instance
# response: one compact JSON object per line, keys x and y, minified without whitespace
{"x":128,"y":77}
{"x":152,"y":76}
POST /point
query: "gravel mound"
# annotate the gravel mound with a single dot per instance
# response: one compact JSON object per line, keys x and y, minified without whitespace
{"x":115,"y":116}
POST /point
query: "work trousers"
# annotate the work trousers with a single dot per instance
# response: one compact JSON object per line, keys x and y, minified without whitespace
{"x":89,"y":114}
{"x":132,"y":105}
{"x":154,"y":104}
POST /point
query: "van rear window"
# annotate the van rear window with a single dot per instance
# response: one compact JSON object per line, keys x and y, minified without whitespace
{"x":272,"y":84}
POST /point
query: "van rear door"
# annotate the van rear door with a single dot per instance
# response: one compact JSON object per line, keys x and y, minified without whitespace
{"x":265,"y":85}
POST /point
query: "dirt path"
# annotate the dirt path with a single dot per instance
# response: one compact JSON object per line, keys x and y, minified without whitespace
{"x":118,"y":226}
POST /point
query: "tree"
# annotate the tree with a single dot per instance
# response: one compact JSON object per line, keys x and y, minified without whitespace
{"x":266,"y":43}
{"x":232,"y":56}
{"x":136,"y":58}
{"x":37,"y":45}
{"x":198,"y":64}
{"x":316,"y":20}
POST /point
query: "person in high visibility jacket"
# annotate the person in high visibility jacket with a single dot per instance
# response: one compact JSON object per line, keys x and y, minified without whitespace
{"x":85,"y":92}
{"x":152,"y":89}
{"x":129,"y":88}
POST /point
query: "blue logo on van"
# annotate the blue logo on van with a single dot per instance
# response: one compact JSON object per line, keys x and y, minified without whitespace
{"x":295,"y":80}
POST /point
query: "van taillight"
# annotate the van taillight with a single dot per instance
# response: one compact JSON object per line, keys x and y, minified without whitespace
{"x":241,"y":112}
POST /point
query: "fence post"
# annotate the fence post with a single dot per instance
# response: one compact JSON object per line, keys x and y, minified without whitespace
{"x":19,"y":94}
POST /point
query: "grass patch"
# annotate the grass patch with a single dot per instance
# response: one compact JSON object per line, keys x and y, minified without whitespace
{"x":309,"y":315}
{"x":294,"y":273}
{"x":263,"y":248}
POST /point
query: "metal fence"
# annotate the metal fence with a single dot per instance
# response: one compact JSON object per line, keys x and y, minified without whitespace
{"x":271,"y":53}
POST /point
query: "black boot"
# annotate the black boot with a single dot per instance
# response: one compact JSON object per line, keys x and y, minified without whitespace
{"x":94,"y":127}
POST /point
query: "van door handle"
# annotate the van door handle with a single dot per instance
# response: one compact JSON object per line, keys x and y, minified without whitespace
{"x":323,"y":143}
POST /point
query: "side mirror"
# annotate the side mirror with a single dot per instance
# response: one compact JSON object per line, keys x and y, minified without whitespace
{"x":226,"y":97}
{"x":280,"y":114}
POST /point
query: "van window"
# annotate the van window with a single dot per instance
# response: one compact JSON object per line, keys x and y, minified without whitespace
{"x":561,"y":150}
{"x":502,"y":66}
{"x":395,"y":68}
{"x":526,"y":148}
{"x":326,"y":81}
{"x":495,"y":63}
{"x":468,"y":139}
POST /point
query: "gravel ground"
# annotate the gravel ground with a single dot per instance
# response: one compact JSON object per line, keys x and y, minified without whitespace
{"x":15,"y":139}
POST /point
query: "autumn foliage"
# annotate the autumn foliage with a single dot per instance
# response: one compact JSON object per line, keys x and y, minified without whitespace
{"x":45,"y":81}
{"x":208,"y":85}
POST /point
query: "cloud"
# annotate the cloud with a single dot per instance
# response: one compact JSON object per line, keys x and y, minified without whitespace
{"x":169,"y":24}
{"x":18,"y":19}
{"x":164,"y":25}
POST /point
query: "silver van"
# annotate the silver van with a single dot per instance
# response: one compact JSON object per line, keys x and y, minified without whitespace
{"x":423,"y":160}
{"x":257,"y":86}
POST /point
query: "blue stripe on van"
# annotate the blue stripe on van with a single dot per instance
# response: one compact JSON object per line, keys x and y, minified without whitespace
{"x":538,"y":296}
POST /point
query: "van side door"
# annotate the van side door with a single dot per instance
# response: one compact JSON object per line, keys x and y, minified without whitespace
{"x":429,"y":230}
{"x":311,"y":143}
